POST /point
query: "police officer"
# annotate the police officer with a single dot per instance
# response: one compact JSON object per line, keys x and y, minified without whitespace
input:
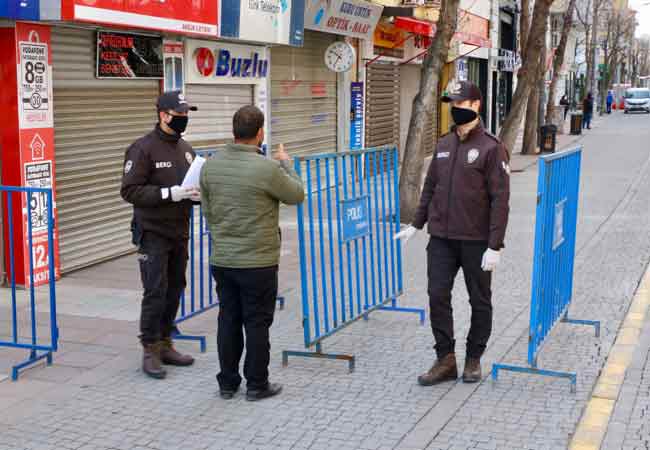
{"x":464,"y":201}
{"x":154,"y":168}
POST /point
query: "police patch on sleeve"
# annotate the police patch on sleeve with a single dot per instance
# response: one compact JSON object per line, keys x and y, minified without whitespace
{"x":128,"y":166}
{"x":188,"y":157}
{"x":472,"y":156}
{"x":506,"y":167}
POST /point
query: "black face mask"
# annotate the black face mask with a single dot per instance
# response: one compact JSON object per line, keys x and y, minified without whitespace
{"x":463,"y":116}
{"x":178,"y":124}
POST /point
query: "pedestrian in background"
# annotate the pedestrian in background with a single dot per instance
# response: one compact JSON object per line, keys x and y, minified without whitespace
{"x":465,"y":202}
{"x":564,"y":102}
{"x":587,"y":111}
{"x":241,"y":192}
{"x":154,"y":168}
{"x":610,"y":100}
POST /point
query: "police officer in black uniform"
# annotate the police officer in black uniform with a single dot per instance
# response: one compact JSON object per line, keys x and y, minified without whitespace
{"x":154,"y":168}
{"x":464,"y":201}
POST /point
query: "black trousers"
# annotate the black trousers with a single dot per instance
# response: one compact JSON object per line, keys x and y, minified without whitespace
{"x":246,"y":302}
{"x":162,"y":268}
{"x":444,"y":258}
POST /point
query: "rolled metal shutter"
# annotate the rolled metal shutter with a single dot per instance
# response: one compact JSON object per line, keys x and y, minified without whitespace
{"x":94,"y":121}
{"x":211,"y":125}
{"x":303,"y":97}
{"x":382,"y":104}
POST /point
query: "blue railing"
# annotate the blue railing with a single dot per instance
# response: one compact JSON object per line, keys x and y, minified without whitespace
{"x":553,"y":264}
{"x":39,"y":348}
{"x":349,"y":263}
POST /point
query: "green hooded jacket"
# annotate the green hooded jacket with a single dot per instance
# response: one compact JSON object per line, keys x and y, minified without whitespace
{"x":241,"y":192}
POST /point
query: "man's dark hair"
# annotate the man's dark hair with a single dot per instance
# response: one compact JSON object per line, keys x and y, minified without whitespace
{"x":247,"y":121}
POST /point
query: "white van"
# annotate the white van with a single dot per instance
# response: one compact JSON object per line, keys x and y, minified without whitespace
{"x":637,"y":99}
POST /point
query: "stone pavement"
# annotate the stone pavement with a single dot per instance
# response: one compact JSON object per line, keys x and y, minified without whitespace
{"x":94,"y":396}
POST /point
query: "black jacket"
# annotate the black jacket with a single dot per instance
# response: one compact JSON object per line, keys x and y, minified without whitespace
{"x":156,"y":161}
{"x":466,"y":192}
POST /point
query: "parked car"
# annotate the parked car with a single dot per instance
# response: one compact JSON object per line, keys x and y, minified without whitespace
{"x":637,"y":99}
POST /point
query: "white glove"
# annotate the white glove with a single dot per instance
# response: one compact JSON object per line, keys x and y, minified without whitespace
{"x":177,"y":193}
{"x":491,"y":259}
{"x":406,"y":234}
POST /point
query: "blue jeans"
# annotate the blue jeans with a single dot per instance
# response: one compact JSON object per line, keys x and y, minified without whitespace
{"x":586,"y":120}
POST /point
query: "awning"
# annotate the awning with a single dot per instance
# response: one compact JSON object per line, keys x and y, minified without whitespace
{"x":415,"y":26}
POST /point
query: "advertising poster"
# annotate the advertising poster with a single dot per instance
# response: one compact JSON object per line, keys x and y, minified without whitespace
{"x":121,"y":55}
{"x":33,"y":52}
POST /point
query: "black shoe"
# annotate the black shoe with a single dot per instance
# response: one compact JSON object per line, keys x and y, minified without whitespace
{"x":228,"y":394}
{"x":273,"y":389}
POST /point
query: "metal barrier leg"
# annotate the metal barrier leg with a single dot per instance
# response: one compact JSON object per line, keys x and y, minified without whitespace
{"x":34,"y":357}
{"x":592,"y":323}
{"x":534,"y":371}
{"x":318,"y":354}
{"x":396,"y":308}
{"x":178,"y":335}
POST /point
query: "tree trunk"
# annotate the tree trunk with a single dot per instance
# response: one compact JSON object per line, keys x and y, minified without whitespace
{"x":592,"y":50}
{"x":524,"y":27}
{"x":558,"y":61}
{"x":527,"y":76}
{"x":529,"y":144}
{"x":423,"y":105}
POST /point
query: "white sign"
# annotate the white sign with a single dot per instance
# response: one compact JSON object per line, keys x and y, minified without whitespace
{"x":38,"y":175}
{"x":558,"y":224}
{"x":354,"y":18}
{"x":211,"y":62}
{"x":35,"y":95}
{"x":265,"y":21}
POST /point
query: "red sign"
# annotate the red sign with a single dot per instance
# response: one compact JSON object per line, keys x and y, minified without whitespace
{"x":193,"y":17}
{"x":30,"y":163}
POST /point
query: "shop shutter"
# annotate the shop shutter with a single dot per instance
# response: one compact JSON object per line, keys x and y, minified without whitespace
{"x":94,"y":122}
{"x":211,"y":125}
{"x":382,"y":105}
{"x":303,"y":97}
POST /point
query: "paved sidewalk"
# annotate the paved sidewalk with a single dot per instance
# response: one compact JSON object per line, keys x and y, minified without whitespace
{"x":95,"y":397}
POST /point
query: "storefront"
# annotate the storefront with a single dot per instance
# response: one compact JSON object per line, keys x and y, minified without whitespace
{"x":312,"y":86}
{"x":220,"y":79}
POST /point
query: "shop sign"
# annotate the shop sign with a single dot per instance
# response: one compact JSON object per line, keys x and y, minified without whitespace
{"x":35,"y":89}
{"x":353,"y":18}
{"x":193,"y":17}
{"x":473,"y":30}
{"x":121,"y":55}
{"x":389,"y":40}
{"x":20,"y":9}
{"x":356,"y":116}
{"x":508,"y":61}
{"x":35,"y":163}
{"x":213,"y":62}
{"x":462,"y":70}
{"x":269,"y":21}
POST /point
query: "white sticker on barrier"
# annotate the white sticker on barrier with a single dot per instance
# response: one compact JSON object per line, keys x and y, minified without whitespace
{"x":558,"y":226}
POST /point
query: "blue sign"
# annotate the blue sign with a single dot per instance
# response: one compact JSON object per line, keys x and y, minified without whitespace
{"x":356,"y":218}
{"x":20,"y":9}
{"x":356,"y":116}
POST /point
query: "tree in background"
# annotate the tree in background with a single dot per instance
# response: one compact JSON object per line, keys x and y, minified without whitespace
{"x":528,"y":75}
{"x":423,"y":107}
{"x":558,"y":61}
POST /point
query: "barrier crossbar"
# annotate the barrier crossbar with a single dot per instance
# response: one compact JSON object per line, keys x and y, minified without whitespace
{"x":349,"y":263}
{"x":25,"y":322}
{"x":553,"y":264}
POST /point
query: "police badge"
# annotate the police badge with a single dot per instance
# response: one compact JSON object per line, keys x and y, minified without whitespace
{"x":472,"y":156}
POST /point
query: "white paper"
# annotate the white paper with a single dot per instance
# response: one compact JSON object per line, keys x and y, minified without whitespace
{"x":194,"y":172}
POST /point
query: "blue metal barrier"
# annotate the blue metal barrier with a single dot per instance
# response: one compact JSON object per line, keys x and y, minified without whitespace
{"x":349,"y":263}
{"x":200,"y":295}
{"x":553,"y":264}
{"x":12,"y":197}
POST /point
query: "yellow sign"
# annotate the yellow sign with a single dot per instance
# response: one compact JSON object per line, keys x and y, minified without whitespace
{"x":388,"y":36}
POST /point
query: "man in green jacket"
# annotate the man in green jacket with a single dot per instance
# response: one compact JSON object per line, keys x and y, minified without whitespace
{"x":241,"y":191}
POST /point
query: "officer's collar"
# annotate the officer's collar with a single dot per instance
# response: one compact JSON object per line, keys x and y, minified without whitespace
{"x":166,"y":137}
{"x":471,"y":133}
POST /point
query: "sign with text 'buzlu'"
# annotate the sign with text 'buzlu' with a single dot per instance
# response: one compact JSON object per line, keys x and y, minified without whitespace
{"x":121,"y":55}
{"x":212,"y":62}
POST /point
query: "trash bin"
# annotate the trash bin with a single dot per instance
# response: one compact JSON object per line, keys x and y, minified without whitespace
{"x":547,"y":135}
{"x":576,"y":123}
